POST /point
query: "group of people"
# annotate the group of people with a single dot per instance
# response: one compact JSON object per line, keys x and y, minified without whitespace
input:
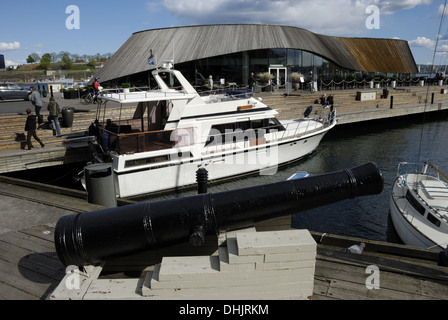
{"x":326,"y":101}
{"x":31,"y":126}
{"x":53,"y":109}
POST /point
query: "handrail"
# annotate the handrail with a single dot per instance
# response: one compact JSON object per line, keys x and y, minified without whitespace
{"x":438,"y":170}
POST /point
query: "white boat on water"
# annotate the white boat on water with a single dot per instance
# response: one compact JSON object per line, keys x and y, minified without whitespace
{"x":175,"y":131}
{"x":419,"y":205}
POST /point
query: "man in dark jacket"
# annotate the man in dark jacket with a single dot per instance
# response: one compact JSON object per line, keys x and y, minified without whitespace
{"x":37,"y":103}
{"x":30,"y":128}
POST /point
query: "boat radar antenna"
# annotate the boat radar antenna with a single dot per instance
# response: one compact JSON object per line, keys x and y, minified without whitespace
{"x":167,"y":64}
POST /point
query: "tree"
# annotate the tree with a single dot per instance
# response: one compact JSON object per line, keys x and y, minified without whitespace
{"x":34,"y":57}
{"x":45,"y":61}
{"x":67,"y":63}
{"x":54,"y":57}
{"x":92,"y":62}
{"x":30,"y":59}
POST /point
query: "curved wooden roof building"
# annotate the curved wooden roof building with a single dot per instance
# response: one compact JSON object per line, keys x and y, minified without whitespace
{"x":197,"y":42}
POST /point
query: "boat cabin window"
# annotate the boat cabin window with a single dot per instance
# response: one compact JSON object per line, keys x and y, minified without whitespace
{"x":414,"y":202}
{"x":141,"y":162}
{"x":433,"y":220}
{"x":241,"y":131}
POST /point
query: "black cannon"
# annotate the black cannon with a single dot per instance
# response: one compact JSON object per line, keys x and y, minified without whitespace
{"x":91,"y":237}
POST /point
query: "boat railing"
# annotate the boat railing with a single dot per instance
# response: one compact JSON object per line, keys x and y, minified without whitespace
{"x":225,"y":94}
{"x":123,"y":139}
{"x":136,"y":93}
{"x":426,"y":168}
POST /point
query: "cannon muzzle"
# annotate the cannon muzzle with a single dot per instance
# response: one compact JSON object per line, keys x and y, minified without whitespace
{"x":91,"y":237}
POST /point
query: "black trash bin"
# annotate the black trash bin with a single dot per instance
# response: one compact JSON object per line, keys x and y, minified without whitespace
{"x":67,"y":116}
{"x":385,"y":93}
{"x":100,"y":184}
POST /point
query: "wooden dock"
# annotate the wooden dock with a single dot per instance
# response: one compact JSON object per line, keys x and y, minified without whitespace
{"x":31,"y":270}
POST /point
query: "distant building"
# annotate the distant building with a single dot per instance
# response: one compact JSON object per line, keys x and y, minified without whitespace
{"x":233,"y":52}
{"x":2,"y":62}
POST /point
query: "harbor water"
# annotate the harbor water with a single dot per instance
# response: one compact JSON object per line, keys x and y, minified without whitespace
{"x":384,"y":142}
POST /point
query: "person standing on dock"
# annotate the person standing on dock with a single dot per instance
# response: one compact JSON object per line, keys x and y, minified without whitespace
{"x":37,"y":103}
{"x":252,"y":82}
{"x":30,"y":128}
{"x":54,"y":111}
{"x":96,"y":89}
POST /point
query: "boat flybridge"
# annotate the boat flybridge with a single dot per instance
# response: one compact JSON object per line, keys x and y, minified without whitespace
{"x":174,"y":131}
{"x":419,"y":205}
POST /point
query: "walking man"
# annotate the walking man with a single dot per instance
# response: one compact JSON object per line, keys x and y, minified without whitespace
{"x":54,"y":111}
{"x":30,"y":128}
{"x":37,"y":103}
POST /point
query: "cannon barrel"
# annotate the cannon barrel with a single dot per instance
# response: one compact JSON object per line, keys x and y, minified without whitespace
{"x":91,"y":237}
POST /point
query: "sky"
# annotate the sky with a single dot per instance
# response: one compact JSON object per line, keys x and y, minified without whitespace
{"x":98,"y":26}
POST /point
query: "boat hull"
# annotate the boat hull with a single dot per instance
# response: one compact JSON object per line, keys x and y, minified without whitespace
{"x":264,"y":160}
{"x":406,"y":231}
{"x":410,"y":212}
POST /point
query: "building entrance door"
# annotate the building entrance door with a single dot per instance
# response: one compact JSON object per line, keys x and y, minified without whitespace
{"x":280,"y":75}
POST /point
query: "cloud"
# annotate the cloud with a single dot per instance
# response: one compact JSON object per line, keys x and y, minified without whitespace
{"x":8,"y":46}
{"x":392,"y":6}
{"x":335,"y":17}
{"x":422,"y":42}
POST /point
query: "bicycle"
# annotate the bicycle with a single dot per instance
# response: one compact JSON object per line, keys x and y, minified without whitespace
{"x":89,"y":98}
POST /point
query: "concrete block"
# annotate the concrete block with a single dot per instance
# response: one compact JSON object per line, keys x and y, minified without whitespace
{"x":225,"y":266}
{"x":194,"y":267}
{"x":274,"y":265}
{"x":226,"y":280}
{"x":299,"y":265}
{"x":234,"y":257}
{"x":222,"y":237}
{"x":296,"y":256}
{"x":248,"y":292}
{"x":288,"y":241}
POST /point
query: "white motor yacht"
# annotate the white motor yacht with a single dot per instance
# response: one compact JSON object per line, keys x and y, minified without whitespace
{"x":175,"y":131}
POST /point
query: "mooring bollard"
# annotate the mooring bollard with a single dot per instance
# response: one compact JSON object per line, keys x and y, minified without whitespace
{"x":202,"y":178}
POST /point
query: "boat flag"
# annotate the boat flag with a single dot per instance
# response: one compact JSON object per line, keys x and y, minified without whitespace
{"x":151,"y":58}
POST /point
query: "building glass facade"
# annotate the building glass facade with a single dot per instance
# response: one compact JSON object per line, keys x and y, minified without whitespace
{"x":2,"y":62}
{"x":235,"y":68}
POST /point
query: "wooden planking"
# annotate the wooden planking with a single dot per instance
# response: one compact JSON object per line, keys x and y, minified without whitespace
{"x":343,"y":275}
{"x":22,"y":283}
{"x":29,"y":266}
{"x":39,"y":158}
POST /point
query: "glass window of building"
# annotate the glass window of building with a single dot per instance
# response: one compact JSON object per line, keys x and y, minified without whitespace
{"x":277,"y":57}
{"x":258,"y":61}
{"x":307,"y":59}
{"x":294,"y":58}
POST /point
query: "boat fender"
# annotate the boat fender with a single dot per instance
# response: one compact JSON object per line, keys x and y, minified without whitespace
{"x":403,"y":180}
{"x":308,"y":111}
